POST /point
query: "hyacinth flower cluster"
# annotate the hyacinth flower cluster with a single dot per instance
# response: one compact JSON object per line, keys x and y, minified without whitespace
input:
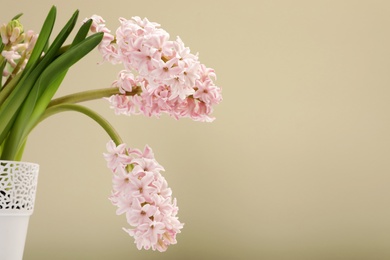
{"x":164,"y":73}
{"x":142,"y":194}
{"x":160,"y":76}
{"x":17,"y":46}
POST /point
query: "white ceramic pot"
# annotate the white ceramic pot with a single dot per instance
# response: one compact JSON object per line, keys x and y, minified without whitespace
{"x":18,"y":185}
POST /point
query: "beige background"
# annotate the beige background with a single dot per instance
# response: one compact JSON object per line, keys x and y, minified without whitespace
{"x":296,"y":166}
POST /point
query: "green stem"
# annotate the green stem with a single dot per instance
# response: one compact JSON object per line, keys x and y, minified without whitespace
{"x":2,"y":66}
{"x":90,"y":95}
{"x":3,"y":63}
{"x":88,"y":112}
{"x":9,"y":87}
{"x":93,"y":115}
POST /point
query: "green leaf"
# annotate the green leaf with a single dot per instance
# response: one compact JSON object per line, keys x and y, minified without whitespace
{"x":42,"y":40}
{"x":17,"y":16}
{"x":82,"y":33}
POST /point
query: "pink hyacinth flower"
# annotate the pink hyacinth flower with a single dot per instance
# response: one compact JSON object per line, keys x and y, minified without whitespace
{"x":142,"y":194}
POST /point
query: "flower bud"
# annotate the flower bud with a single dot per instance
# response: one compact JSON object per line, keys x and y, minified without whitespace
{"x":12,"y":33}
{"x":3,"y":34}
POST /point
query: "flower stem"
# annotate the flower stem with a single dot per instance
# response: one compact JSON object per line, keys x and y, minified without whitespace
{"x":90,"y":95}
{"x":88,"y":112}
{"x":7,"y":88}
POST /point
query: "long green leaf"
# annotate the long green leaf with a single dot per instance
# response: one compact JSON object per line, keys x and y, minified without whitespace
{"x":82,"y":33}
{"x":42,"y":40}
{"x":17,"y":16}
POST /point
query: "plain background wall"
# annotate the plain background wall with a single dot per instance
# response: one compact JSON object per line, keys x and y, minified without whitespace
{"x":296,"y":165}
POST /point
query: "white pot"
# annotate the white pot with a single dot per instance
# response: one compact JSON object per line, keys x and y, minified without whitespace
{"x":18,"y":185}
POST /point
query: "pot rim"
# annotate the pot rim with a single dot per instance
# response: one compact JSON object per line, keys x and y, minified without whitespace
{"x":18,"y":162}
